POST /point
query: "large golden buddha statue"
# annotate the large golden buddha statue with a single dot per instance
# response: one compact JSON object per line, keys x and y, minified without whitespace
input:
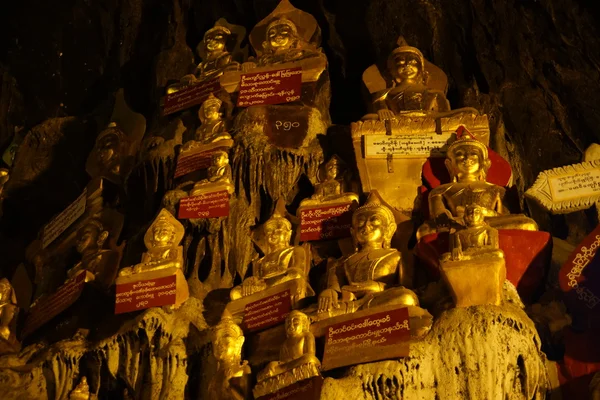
{"x":232,"y":380}
{"x":467,"y":161}
{"x":297,"y":359}
{"x":162,"y":241}
{"x":409,"y":92}
{"x":370,"y":276}
{"x":215,"y":58}
{"x":331,"y":188}
{"x":283,"y":44}
{"x":282,"y":262}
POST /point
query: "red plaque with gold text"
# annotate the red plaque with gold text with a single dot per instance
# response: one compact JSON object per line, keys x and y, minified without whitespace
{"x":307,"y":389}
{"x":188,"y":163}
{"x":579,"y":277}
{"x":144,"y":294}
{"x":373,"y":337}
{"x":190,"y":96}
{"x":209,"y":205}
{"x":270,"y":87}
{"x":50,"y":307}
{"x":325,"y":222}
{"x":267,"y":312}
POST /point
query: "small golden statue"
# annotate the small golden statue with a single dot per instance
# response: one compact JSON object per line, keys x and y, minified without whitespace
{"x":467,"y":161}
{"x":475,"y":240}
{"x":162,"y":241}
{"x":331,"y":189}
{"x":368,"y":277}
{"x":109,"y":158}
{"x":81,"y":391}
{"x":213,"y":127}
{"x":297,"y":360}
{"x":282,"y":262}
{"x":102,"y":263}
{"x":409,"y":91}
{"x":8,"y":309}
{"x":232,"y":380}
{"x":215,"y":58}
{"x":219,"y":176}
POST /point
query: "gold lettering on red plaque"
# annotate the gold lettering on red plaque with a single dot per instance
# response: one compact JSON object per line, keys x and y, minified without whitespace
{"x":270,"y":87}
{"x":144,"y":294}
{"x":307,"y":389}
{"x":190,"y":96}
{"x":330,"y":222}
{"x":369,"y":338}
{"x":209,"y":205}
{"x":267,"y":312}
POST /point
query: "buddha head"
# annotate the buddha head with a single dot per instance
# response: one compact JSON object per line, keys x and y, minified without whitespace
{"x":228,"y":340}
{"x":333,"y":168}
{"x":277,"y":231}
{"x":407,"y":64}
{"x":467,"y":158}
{"x":91,"y":237}
{"x":220,"y":158}
{"x":209,"y":111}
{"x":165,"y":231}
{"x":108,"y":146}
{"x":296,"y":324}
{"x":215,"y":39}
{"x":473,"y":215}
{"x":282,"y":35}
{"x":373,"y":224}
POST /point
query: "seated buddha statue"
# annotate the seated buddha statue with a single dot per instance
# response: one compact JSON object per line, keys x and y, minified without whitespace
{"x":232,"y":379}
{"x":109,"y":158}
{"x":297,"y":351}
{"x":372,"y":274}
{"x":213,"y":127}
{"x":217,"y":59}
{"x":282,"y":262}
{"x":475,"y":239}
{"x":162,"y":243}
{"x":467,"y":162}
{"x":102,"y":263}
{"x":219,"y":176}
{"x":409,"y":93}
{"x":8,"y":308}
{"x":331,"y":189}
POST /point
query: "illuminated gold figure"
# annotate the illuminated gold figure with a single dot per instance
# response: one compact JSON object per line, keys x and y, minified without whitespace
{"x":409,"y":92}
{"x":232,"y":380}
{"x":219,"y":176}
{"x":283,"y":44}
{"x":213,"y":127}
{"x":369,"y":277}
{"x":8,"y":308}
{"x":297,"y":352}
{"x":331,"y":190}
{"x":282,"y":262}
{"x":467,"y":161}
{"x":81,"y":391}
{"x":90,"y":242}
{"x":108,"y":158}
{"x":162,"y":241}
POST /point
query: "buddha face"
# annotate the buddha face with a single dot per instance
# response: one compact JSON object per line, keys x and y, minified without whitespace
{"x":163,"y":234}
{"x":295,"y":324}
{"x":210,"y":110}
{"x":220,"y":159}
{"x":466,"y":160}
{"x":107,"y":149}
{"x":215,"y":41}
{"x":89,"y":236}
{"x":332,"y":170}
{"x":408,"y":66}
{"x":473,"y":215}
{"x":277,"y":233}
{"x":369,"y":227}
{"x":280,"y":36}
{"x":227,"y":346}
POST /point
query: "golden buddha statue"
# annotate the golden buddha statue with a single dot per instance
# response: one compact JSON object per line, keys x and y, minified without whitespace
{"x":331,"y":189}
{"x":232,"y":379}
{"x":213,"y":127}
{"x":219,"y":176}
{"x":102,"y":263}
{"x":475,"y":239}
{"x":297,"y":351}
{"x":283,"y":44}
{"x":282,"y":262}
{"x":409,"y":92}
{"x":81,"y":391}
{"x":216,"y":58}
{"x":467,"y":161}
{"x":8,"y":308}
{"x":370,"y":276}
{"x":109,"y":157}
{"x":162,"y":241}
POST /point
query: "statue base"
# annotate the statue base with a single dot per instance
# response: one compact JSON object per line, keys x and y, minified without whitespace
{"x":285,"y":379}
{"x":162,"y":287}
{"x":475,"y":282}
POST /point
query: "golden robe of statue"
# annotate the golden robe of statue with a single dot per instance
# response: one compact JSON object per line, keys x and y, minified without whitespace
{"x":331,"y":189}
{"x":219,"y":176}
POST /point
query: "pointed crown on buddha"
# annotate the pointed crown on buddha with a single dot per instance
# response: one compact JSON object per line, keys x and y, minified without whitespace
{"x":466,"y":138}
{"x":278,"y":217}
{"x":226,"y":327}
